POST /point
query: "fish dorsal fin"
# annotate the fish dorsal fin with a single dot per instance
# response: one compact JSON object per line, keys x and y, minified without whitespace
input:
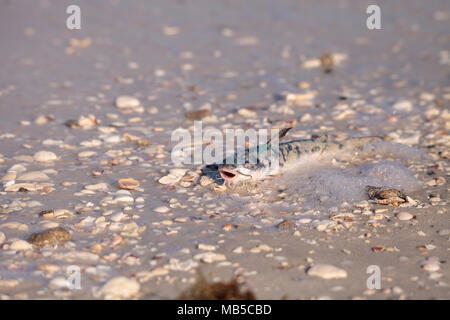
{"x":267,"y":146}
{"x":283,"y":132}
{"x":320,"y":137}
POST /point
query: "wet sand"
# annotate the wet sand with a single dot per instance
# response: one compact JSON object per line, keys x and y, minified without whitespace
{"x":180,"y":56}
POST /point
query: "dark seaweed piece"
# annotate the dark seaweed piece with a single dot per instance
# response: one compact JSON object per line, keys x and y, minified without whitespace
{"x":204,"y":290}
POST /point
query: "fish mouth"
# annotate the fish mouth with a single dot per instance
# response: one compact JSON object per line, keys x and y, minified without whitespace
{"x":227,"y":175}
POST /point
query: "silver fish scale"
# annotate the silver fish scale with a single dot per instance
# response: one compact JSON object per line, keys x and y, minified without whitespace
{"x":293,"y":150}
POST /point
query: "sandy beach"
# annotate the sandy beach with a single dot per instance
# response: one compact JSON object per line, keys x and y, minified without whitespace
{"x":93,"y":207}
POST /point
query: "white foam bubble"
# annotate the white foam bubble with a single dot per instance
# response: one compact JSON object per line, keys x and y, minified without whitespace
{"x":395,"y":150}
{"x":325,"y":187}
{"x":320,"y":185}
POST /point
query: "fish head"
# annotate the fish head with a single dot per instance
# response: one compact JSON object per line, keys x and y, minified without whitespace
{"x":253,"y":166}
{"x":232,"y":173}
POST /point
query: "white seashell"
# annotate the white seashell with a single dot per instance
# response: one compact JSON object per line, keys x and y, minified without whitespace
{"x":124,"y":102}
{"x":327,"y":271}
{"x":45,"y":156}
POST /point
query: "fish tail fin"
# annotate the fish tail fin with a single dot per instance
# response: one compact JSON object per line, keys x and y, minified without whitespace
{"x":383,"y":147}
{"x":359,"y":143}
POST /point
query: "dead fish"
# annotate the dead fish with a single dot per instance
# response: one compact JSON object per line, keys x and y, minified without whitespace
{"x":272,"y":160}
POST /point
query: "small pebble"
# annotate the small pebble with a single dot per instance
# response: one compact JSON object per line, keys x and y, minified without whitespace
{"x":162,"y":209}
{"x":45,"y":156}
{"x":124,"y":102}
{"x":120,"y":288}
{"x":50,"y":237}
{"x":404,"y":216}
{"x":20,"y":245}
{"x":404,"y":105}
{"x":59,"y":283}
{"x":327,"y":271}
{"x":206,"y":247}
{"x":285,"y":225}
{"x":128,"y":184}
{"x":431,"y":266}
{"x":33,"y":176}
{"x":209,"y":257}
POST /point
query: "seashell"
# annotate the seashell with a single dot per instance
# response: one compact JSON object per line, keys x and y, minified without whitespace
{"x":128,"y":184}
{"x":124,"y":102}
{"x":45,"y":156}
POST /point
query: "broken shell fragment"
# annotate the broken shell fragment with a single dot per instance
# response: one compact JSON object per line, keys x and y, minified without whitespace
{"x":173,"y":177}
{"x":21,"y":187}
{"x":124,"y":102}
{"x":386,"y":196}
{"x":327,"y":63}
{"x":300,"y":99}
{"x":327,"y":271}
{"x":45,"y":156}
{"x":404,"y":216}
{"x":33,"y":176}
{"x":128,"y":184}
{"x":50,"y":237}
{"x":20,"y":245}
{"x":198,"y":114}
{"x":120,"y":288}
